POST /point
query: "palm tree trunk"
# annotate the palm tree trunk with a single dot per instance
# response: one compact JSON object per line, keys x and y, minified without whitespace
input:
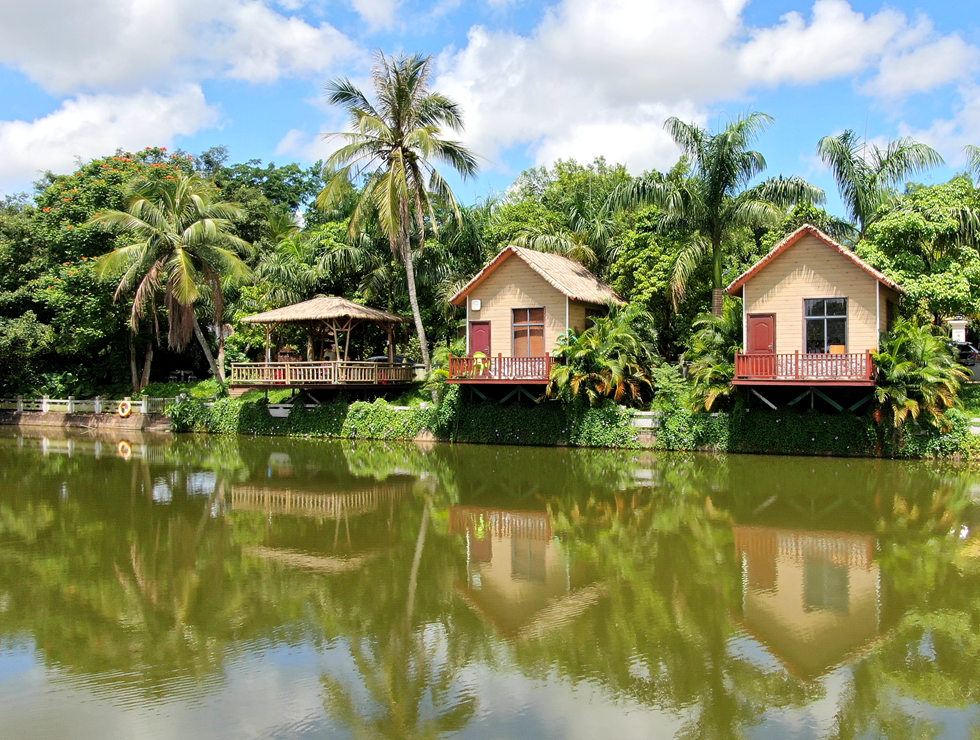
{"x":145,"y":379}
{"x":221,"y":353}
{"x":413,"y":299}
{"x":717,"y":292}
{"x":413,"y":577}
{"x":207,"y":350}
{"x":133,"y":373}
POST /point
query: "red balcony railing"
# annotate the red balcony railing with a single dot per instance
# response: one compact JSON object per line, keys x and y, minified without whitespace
{"x":798,"y":367}
{"x":500,"y":368}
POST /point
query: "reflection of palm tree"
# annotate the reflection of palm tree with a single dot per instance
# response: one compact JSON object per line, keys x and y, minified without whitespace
{"x":402,"y":676}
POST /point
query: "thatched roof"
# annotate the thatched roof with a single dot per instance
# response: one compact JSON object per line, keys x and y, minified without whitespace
{"x":324,"y":308}
{"x":564,"y":274}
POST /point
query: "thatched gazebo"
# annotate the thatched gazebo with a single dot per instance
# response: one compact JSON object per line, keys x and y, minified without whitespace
{"x":326,"y":318}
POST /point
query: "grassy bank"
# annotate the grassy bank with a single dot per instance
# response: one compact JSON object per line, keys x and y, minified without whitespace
{"x":608,"y":425}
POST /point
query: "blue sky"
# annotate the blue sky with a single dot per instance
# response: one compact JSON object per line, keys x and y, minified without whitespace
{"x":537,"y":81}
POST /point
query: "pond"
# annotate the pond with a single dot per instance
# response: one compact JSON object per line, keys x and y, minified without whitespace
{"x":238,"y":587}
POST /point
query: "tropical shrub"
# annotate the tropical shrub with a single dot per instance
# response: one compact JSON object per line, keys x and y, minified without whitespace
{"x":610,"y":359}
{"x":711,"y":355}
{"x":917,"y":374}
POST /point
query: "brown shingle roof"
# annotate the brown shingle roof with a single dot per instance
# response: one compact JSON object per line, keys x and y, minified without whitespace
{"x":323,"y":308}
{"x":564,"y":274}
{"x":807,"y":229}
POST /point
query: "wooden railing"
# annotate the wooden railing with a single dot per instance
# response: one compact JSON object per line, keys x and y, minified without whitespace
{"x":857,"y":366}
{"x":339,"y":372}
{"x":500,"y":368}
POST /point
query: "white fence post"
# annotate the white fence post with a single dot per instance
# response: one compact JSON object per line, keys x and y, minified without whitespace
{"x":71,"y":404}
{"x":144,"y":405}
{"x":20,"y":404}
{"x":44,"y":404}
{"x":97,"y":405}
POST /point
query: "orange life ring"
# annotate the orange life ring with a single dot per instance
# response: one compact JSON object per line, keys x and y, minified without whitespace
{"x":124,"y":409}
{"x":124,"y":449}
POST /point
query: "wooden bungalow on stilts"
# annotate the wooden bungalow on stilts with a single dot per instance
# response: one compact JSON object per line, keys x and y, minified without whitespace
{"x":329,"y":322}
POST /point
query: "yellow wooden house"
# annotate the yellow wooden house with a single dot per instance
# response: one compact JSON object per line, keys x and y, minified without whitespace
{"x":516,"y":309}
{"x":813,"y":313}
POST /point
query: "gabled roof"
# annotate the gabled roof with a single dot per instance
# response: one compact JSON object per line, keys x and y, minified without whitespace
{"x":323,"y":308}
{"x":565,"y":275}
{"x":808,"y":230}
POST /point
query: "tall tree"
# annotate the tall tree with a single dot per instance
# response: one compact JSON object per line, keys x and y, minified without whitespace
{"x":867,"y":175}
{"x":183,"y":248}
{"x":715,"y":200}
{"x":394,"y":141}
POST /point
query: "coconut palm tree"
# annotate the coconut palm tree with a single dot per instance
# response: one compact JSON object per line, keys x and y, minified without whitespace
{"x":716,"y":199}
{"x":866,"y":175}
{"x":394,"y":141}
{"x":586,"y":237}
{"x":182,"y":247}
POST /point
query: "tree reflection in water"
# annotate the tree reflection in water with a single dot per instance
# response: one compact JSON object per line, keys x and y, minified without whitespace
{"x":724,"y":593}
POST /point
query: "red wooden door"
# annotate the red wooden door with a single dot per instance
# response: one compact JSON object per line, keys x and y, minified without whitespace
{"x":480,"y":337}
{"x":761,"y":341}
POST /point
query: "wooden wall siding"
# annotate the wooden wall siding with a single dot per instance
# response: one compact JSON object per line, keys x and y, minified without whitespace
{"x":811,"y":269}
{"x":576,"y":315}
{"x":515,"y":285}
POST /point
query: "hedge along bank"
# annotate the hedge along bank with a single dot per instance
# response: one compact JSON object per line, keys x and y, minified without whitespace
{"x":608,"y":425}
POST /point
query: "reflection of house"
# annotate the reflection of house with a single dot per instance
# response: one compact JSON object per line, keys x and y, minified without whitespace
{"x":810,"y":597}
{"x":290,"y":502}
{"x":812,"y":314}
{"x":516,"y":308}
{"x":517,"y":576}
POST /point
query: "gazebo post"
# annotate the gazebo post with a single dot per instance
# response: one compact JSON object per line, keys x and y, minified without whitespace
{"x":391,"y":343}
{"x":350,"y":325}
{"x":268,"y":343}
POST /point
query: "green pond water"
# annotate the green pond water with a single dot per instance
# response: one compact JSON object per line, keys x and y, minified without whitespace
{"x":235,"y":587}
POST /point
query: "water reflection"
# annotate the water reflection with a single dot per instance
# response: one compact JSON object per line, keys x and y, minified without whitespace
{"x":394,"y":590}
{"x":810,"y":597}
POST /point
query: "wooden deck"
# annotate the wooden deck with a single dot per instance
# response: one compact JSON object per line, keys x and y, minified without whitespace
{"x":856,"y":369}
{"x":319,"y":374}
{"x":500,"y":369}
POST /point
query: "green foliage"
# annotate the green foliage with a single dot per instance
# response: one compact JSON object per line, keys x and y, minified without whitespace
{"x":715,"y":200}
{"x":607,"y":425}
{"x":22,"y":339}
{"x":610,"y":359}
{"x":867,"y":175}
{"x":928,"y":244}
{"x":917,"y":374}
{"x":671,"y":391}
{"x":711,"y":355}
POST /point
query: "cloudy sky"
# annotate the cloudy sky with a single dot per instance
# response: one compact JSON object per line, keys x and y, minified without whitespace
{"x":537,"y":80}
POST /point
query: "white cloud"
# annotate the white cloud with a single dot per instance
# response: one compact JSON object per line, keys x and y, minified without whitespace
{"x":838,"y":41}
{"x":265,"y":45}
{"x":924,"y":68}
{"x":92,"y":125}
{"x":378,"y":13}
{"x":303,"y":145}
{"x":600,"y":78}
{"x":130,"y":44}
{"x":950,"y":135}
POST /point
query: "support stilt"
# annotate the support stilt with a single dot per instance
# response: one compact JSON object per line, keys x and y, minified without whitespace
{"x":828,"y":399}
{"x":765,"y":400}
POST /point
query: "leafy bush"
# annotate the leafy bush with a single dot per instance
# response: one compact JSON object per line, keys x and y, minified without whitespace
{"x":610,"y":359}
{"x":711,"y":355}
{"x":917,"y":374}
